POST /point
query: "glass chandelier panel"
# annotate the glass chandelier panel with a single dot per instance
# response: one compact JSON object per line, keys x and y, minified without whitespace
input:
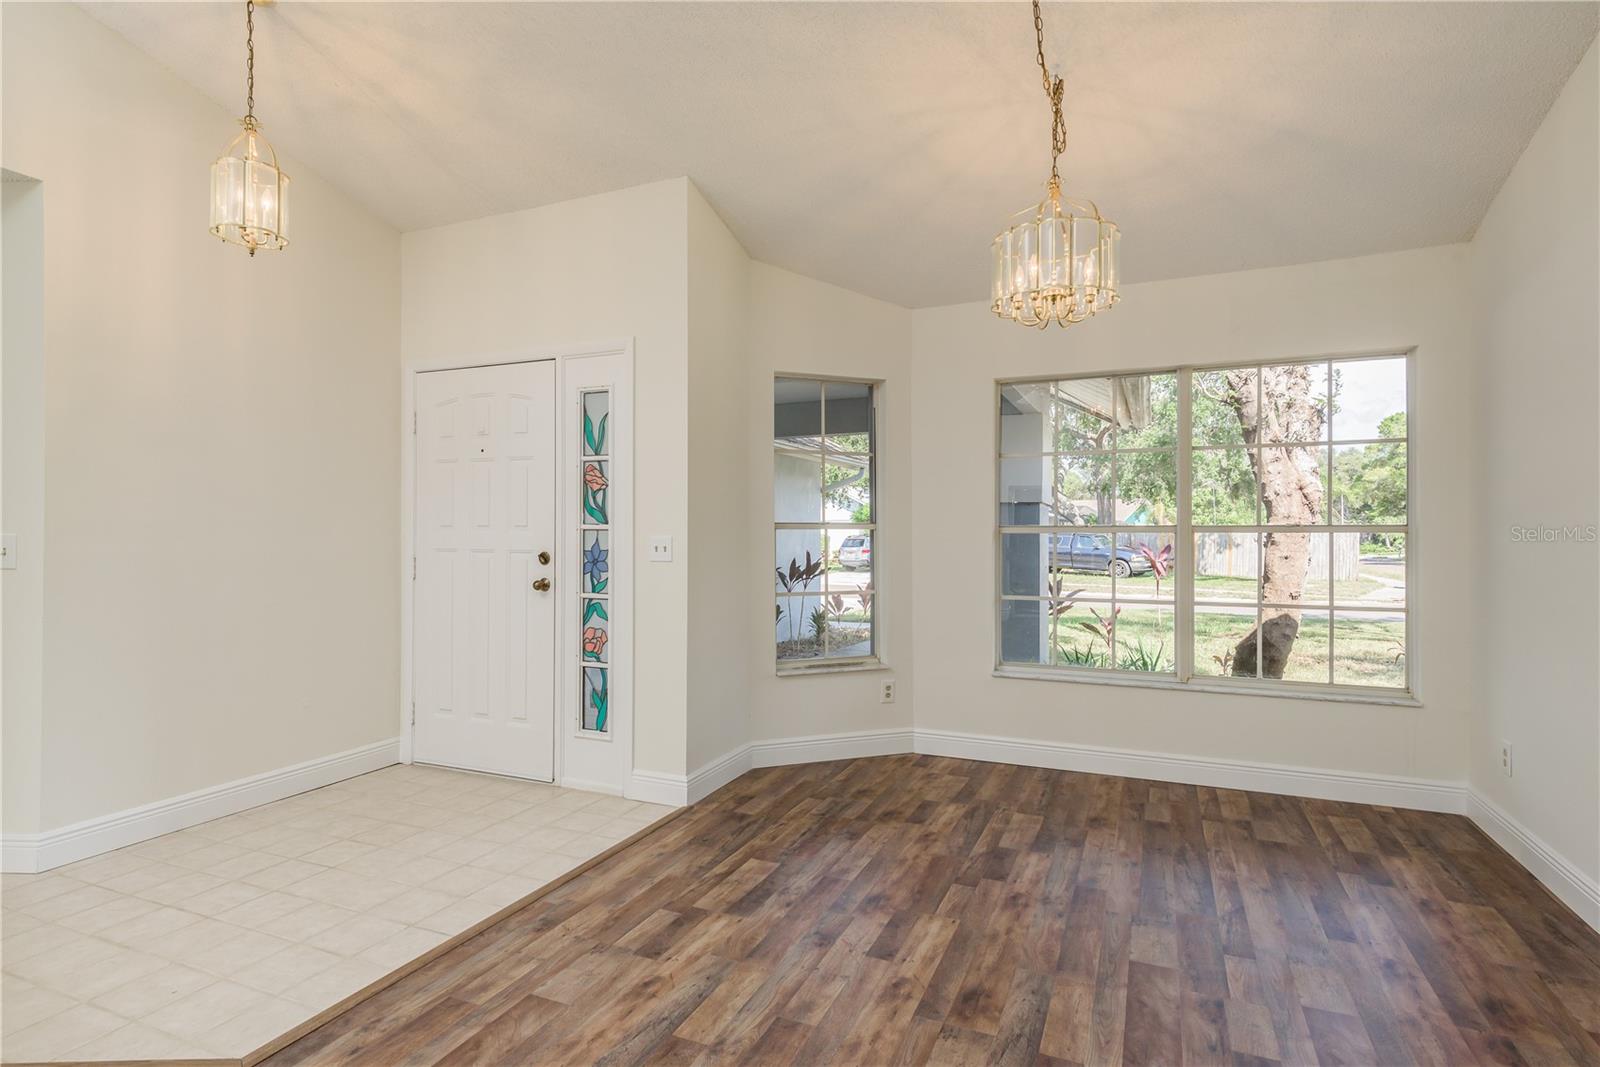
{"x":249,"y":191}
{"x":250,"y":194}
{"x":1059,"y":262}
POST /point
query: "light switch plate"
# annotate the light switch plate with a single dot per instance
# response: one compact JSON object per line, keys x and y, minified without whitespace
{"x":8,"y":552}
{"x":660,"y":550}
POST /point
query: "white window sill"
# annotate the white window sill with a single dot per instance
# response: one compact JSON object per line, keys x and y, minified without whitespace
{"x":854,"y":667}
{"x":1280,"y":690}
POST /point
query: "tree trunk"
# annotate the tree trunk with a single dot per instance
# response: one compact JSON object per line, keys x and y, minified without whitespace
{"x":1291,"y":494}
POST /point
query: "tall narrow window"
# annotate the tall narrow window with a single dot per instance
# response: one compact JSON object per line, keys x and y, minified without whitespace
{"x":1280,"y":560}
{"x":595,"y":540}
{"x":824,"y":519}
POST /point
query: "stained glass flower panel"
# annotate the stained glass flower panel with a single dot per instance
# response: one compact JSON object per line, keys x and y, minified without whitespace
{"x":596,"y":492}
{"x":596,"y":561}
{"x":596,"y":423}
{"x":593,"y":635}
{"x":596,"y":692}
{"x":596,"y":630}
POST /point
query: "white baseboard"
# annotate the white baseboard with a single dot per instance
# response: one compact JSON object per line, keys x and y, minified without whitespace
{"x":1557,"y":873}
{"x":1423,"y":794}
{"x":658,"y":787}
{"x":590,"y":786}
{"x":31,"y":853}
{"x":718,"y":773}
{"x":819,"y":748}
{"x":782,"y":752}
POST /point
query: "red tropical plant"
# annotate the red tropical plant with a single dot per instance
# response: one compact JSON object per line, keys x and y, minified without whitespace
{"x":799,"y":577}
{"x":837,"y":603}
{"x":1102,"y":625}
{"x":1160,"y":562}
{"x":1060,"y":602}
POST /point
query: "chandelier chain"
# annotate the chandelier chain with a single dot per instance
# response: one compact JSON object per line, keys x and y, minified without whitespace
{"x":1059,"y":263}
{"x":250,"y":63}
{"x":1053,"y":89}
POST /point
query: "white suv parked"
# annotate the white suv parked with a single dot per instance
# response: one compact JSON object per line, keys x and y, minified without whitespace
{"x":855,"y":552}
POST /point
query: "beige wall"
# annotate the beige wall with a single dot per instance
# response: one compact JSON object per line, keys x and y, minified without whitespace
{"x":219,"y":442}
{"x":1535,"y":276}
{"x":801,"y":326}
{"x":1382,"y":302}
{"x":22,"y":499}
{"x":718,"y":553}
{"x":711,"y":328}
{"x":530,"y":281}
{"x":222,"y":481}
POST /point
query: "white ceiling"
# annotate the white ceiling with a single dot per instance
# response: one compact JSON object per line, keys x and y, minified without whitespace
{"x":879,"y":146}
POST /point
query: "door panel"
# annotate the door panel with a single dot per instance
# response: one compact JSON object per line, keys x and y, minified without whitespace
{"x":484,"y":645}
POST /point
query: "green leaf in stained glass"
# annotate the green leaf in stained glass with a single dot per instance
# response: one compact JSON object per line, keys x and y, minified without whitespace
{"x":596,"y":685}
{"x":594,"y":434}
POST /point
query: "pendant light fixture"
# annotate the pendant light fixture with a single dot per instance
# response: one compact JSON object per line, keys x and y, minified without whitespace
{"x":249,"y":194}
{"x":1059,"y":264}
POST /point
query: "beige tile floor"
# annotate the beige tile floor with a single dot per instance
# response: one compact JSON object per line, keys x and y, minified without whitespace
{"x":214,"y":940}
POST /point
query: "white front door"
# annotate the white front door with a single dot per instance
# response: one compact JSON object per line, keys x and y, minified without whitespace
{"x":485,"y":585}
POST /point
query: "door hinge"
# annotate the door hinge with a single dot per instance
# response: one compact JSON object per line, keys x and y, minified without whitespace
{"x":413,"y":568}
{"x":413,"y":423}
{"x":413,"y":713}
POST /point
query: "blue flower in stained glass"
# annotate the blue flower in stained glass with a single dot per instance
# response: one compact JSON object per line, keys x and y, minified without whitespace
{"x":594,"y":561}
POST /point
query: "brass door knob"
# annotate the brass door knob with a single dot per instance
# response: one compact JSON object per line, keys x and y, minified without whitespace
{"x":542,"y":584}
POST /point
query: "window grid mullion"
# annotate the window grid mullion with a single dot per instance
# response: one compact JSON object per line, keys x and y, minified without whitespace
{"x":1261,"y":519}
{"x":1185,"y":530}
{"x":1183,"y":538}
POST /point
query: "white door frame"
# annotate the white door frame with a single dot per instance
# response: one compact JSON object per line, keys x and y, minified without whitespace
{"x":620,"y":738}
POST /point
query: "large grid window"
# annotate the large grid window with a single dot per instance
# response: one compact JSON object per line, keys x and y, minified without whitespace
{"x":824,"y":518}
{"x":1236,"y":525}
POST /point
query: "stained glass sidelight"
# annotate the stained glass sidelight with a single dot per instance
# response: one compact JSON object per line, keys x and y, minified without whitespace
{"x":594,"y":620}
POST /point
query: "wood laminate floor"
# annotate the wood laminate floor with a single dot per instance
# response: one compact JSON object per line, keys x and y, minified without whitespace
{"x":910,"y":909}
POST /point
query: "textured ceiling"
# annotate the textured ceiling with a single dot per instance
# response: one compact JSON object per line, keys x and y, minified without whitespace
{"x":880,"y":146}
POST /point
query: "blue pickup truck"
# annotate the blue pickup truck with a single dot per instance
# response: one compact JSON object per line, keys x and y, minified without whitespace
{"x":1092,"y":552}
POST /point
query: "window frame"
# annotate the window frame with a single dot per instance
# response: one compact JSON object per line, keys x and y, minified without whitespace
{"x":1184,"y":677}
{"x":831,"y":664}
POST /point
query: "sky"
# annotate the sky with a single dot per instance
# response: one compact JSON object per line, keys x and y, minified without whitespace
{"x":1369,"y":391}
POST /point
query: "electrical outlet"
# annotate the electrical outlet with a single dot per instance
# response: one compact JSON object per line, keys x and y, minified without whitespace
{"x":887,"y":696}
{"x":1505,"y":758}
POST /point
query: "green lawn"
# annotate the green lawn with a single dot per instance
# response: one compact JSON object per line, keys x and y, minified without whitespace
{"x":1347,"y":590}
{"x":1365,"y":649}
{"x":1207,"y":587}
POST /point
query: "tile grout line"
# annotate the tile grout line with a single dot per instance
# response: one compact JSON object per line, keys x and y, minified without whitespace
{"x":355,"y":999}
{"x":336,"y":822}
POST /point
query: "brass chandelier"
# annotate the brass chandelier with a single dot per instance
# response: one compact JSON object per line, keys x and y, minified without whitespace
{"x":249,"y":193}
{"x":1059,"y":264}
